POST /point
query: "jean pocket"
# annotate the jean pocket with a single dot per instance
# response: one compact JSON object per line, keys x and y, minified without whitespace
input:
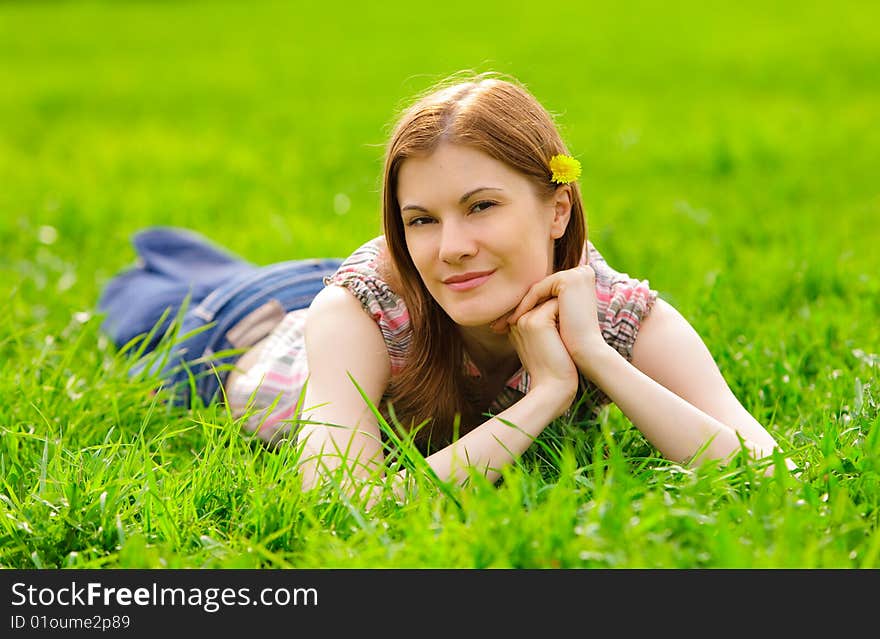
{"x":220,"y":297}
{"x":256,"y":325}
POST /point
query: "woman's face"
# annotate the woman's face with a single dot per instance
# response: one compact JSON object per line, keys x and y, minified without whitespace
{"x":467,"y":214}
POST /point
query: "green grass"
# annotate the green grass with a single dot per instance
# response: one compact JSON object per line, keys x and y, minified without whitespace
{"x":730,"y":157}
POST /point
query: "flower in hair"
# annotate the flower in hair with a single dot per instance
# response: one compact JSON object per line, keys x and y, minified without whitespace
{"x":565,"y":169}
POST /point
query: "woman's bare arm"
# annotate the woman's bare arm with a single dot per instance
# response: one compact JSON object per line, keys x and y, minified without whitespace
{"x":498,"y":441}
{"x":342,"y":339}
{"x":674,"y":393}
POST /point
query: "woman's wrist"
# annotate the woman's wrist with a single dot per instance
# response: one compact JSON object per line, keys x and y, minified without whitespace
{"x":590,"y":356}
{"x":552,"y":399}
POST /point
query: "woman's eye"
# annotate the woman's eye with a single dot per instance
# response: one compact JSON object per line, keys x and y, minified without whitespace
{"x":482,"y":206}
{"x":476,"y":208}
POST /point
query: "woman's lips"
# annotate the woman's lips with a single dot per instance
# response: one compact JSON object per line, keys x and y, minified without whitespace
{"x":469,"y":284}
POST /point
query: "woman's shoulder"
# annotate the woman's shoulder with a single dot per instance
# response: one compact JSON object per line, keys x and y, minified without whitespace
{"x":368,"y":274}
{"x":622,"y":301}
{"x":370,"y":264}
{"x":591,"y":255}
{"x":365,"y":257}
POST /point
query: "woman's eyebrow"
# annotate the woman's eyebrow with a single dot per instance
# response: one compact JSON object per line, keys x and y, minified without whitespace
{"x":464,"y":198}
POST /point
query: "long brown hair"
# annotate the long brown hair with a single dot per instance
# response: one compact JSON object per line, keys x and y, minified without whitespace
{"x":502,"y":119}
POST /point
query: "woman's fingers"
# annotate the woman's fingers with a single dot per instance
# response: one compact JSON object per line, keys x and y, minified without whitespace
{"x":536,"y":294}
{"x":541,"y":316}
{"x":531,"y":299}
{"x":549,"y":311}
{"x":550,"y":286}
{"x":500,"y":325}
{"x":542,"y":351}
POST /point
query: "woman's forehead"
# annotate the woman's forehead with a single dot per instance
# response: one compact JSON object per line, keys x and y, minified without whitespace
{"x":452,"y":171}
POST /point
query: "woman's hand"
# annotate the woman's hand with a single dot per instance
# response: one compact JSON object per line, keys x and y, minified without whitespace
{"x":535,"y":335}
{"x":575,"y":291}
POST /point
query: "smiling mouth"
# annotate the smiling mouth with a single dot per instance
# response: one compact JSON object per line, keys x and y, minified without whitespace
{"x":467,"y":285}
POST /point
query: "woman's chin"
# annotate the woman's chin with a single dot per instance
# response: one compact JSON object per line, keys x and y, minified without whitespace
{"x":477,"y":320}
{"x":476,"y":313}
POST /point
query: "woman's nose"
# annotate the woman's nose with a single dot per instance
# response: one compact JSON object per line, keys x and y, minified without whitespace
{"x":456,"y":243}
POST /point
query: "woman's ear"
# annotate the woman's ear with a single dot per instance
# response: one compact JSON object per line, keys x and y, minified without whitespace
{"x":561,"y":202}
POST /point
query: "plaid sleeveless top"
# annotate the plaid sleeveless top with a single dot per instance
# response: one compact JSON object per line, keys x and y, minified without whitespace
{"x":270,"y":389}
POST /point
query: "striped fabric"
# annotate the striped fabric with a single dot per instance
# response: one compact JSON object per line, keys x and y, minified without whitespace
{"x":270,"y":389}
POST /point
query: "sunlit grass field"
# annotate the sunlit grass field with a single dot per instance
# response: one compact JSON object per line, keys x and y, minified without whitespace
{"x":730,"y":157}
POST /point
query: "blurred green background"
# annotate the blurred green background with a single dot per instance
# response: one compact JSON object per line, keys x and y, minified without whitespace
{"x":729,"y":149}
{"x":730,"y":155}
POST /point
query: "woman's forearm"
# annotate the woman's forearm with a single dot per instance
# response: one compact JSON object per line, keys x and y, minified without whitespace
{"x":677,"y":428}
{"x":494,"y":443}
{"x":487,"y":448}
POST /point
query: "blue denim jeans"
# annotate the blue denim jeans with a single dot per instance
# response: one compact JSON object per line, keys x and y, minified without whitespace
{"x":232,"y":304}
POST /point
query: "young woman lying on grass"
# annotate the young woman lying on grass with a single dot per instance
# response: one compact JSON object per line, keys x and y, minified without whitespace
{"x":480,"y":315}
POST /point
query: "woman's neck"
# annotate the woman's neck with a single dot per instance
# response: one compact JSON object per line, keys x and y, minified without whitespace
{"x":493,"y":353}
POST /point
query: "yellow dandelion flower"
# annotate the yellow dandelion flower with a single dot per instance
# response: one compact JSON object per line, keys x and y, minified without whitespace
{"x":565,"y":169}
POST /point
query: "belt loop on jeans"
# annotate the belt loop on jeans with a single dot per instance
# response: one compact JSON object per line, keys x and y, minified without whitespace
{"x":202,"y":313}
